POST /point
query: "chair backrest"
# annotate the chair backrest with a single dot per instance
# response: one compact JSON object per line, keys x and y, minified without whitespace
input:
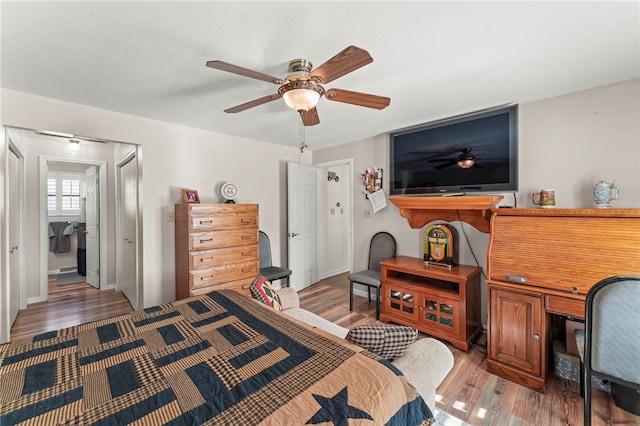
{"x":382,"y":247}
{"x":612,"y":328}
{"x":265,"y":250}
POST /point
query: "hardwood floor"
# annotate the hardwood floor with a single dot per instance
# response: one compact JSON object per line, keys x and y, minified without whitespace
{"x":468,"y":392}
{"x":68,"y":305}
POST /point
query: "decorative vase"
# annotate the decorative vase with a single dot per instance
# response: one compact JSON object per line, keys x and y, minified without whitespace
{"x":603,"y":193}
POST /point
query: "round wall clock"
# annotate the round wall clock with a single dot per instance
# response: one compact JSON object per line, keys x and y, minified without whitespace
{"x":229,"y":192}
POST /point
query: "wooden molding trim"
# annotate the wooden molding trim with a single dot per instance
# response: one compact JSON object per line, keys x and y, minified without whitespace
{"x":473,"y":209}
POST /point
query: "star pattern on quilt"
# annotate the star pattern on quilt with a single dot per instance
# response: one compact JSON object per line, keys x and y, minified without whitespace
{"x":336,"y":410}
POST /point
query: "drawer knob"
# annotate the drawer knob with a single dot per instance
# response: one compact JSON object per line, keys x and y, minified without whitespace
{"x":246,"y":253}
{"x":574,"y":290}
{"x":536,"y":337}
{"x":245,"y":220}
{"x":203,"y":222}
{"x":204,"y":240}
{"x":246,"y":237}
{"x":247,"y":270}
{"x":206,"y":259}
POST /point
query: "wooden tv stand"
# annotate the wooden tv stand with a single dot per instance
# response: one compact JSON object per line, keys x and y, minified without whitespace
{"x":442,"y":302}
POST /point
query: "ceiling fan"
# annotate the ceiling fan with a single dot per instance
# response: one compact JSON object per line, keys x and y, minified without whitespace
{"x":465,"y":160}
{"x":303,"y":87}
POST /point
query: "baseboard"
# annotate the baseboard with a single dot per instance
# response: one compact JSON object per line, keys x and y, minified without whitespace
{"x":363,"y":293}
{"x":37,"y":299}
{"x":63,"y":270}
{"x":330,"y":274}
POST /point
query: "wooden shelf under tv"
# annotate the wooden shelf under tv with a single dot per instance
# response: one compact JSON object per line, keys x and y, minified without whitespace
{"x":473,"y":209}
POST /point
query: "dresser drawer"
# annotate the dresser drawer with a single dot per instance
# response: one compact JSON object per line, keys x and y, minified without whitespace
{"x":221,"y":239}
{"x":564,"y":306}
{"x":204,"y":219}
{"x":241,"y":286}
{"x":205,"y":259}
{"x":221,"y":274}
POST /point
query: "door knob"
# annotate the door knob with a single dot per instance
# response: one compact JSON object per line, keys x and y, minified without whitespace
{"x":13,"y":249}
{"x":293,"y":234}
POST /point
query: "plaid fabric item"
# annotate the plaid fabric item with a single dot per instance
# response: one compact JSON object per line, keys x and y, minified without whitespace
{"x":262,"y":290}
{"x":215,"y":359}
{"x":387,"y":341}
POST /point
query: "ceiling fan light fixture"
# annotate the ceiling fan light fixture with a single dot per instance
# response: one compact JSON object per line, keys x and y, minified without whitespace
{"x":301,"y":95}
{"x":74,"y":145}
{"x":466,"y":163}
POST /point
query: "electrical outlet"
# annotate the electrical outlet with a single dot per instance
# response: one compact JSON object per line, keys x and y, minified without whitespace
{"x":367,"y":213}
{"x":171,"y":216}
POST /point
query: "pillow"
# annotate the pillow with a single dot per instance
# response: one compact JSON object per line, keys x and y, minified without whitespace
{"x":386,"y":340}
{"x":262,"y":290}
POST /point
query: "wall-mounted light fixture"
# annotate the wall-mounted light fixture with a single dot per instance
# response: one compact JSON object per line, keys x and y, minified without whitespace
{"x":333,"y":176}
{"x":74,"y":145}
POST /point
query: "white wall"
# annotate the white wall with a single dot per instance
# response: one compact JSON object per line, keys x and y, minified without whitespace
{"x":175,"y":157}
{"x":567,"y":143}
{"x":333,"y":222}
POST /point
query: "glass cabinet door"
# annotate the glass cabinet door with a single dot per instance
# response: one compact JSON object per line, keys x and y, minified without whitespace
{"x":440,"y":313}
{"x":402,"y":301}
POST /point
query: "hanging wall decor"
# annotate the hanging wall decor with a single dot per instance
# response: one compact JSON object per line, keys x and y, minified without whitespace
{"x":371,"y":180}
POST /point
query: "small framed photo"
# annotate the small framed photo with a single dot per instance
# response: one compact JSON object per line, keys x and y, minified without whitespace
{"x":190,"y":196}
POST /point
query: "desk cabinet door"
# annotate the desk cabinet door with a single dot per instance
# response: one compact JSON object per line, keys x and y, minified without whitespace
{"x":515,"y":329}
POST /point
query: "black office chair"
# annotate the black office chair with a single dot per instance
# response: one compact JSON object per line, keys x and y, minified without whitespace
{"x":267,"y":270}
{"x":609,"y":345}
{"x":382,"y":246}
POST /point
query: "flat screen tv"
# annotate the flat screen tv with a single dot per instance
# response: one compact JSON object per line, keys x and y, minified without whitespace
{"x":473,"y":153}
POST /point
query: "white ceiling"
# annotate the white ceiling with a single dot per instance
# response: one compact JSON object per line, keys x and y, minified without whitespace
{"x":433,"y":59}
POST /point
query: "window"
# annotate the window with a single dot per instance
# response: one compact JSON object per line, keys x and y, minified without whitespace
{"x":63,"y":193}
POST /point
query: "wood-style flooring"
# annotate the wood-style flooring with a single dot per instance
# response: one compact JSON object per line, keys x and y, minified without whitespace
{"x":68,"y":305}
{"x":469,"y":392}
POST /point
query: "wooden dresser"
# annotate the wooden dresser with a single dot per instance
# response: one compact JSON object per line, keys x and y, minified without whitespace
{"x":216,"y":247}
{"x":541,"y":263}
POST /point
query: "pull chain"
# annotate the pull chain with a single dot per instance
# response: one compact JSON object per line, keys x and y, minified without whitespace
{"x":303,"y":145}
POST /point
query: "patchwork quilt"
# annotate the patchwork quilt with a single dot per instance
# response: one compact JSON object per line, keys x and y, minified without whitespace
{"x":216,"y":359}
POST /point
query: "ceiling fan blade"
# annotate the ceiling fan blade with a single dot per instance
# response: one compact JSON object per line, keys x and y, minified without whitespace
{"x":357,"y":98}
{"x":445,"y":165}
{"x":253,"y":103}
{"x":224,"y":66}
{"x":310,"y":117}
{"x":350,"y":59}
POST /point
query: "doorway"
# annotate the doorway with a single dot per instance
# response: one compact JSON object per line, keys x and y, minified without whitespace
{"x":64,"y":231}
{"x":33,"y":278}
{"x":319,"y":220}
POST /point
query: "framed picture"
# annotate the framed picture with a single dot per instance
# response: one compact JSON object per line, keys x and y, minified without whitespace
{"x":190,"y":196}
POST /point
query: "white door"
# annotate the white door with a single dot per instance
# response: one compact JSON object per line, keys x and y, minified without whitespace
{"x":14,"y":235}
{"x":302,"y":198}
{"x":128,"y":230}
{"x":93,"y":227}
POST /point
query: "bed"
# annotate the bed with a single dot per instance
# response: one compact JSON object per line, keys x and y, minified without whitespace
{"x":220,"y":358}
